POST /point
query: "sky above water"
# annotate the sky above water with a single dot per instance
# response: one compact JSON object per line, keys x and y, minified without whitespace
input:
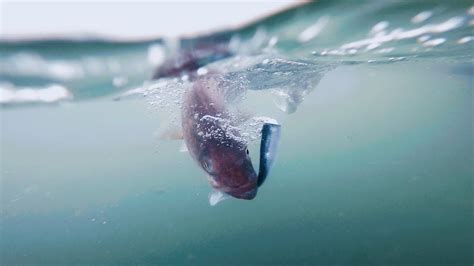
{"x":126,"y":19}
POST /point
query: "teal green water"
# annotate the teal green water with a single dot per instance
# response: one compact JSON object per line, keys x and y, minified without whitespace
{"x":374,"y":167}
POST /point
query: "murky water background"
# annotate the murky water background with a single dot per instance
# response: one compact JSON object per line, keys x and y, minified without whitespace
{"x":374,"y":167}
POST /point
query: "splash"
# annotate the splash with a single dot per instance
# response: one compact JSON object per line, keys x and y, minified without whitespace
{"x":53,"y":93}
{"x":399,"y":34}
{"x":31,"y":64}
{"x":421,"y":17}
{"x":313,"y":31}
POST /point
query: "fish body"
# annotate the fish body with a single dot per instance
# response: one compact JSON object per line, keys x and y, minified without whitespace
{"x":210,"y":135}
{"x":214,"y":143}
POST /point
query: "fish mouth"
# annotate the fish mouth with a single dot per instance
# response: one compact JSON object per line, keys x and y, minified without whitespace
{"x":247,"y":192}
{"x":249,"y":195}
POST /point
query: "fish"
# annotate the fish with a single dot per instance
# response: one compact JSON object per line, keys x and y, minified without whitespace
{"x":257,"y":70}
{"x":215,"y":143}
{"x":187,"y":61}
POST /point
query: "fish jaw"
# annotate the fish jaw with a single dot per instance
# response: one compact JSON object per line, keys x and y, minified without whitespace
{"x":247,"y":191}
{"x":246,"y":195}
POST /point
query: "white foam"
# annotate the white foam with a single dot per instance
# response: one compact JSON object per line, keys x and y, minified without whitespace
{"x":265,"y":119}
{"x":202,"y":71}
{"x":434,"y":42}
{"x":372,"y":46}
{"x":395,"y":59}
{"x":352,"y":51}
{"x":470,"y":11}
{"x":385,"y":50}
{"x":119,"y":81}
{"x":379,"y":27}
{"x":314,"y":30}
{"x":258,"y":41}
{"x":156,"y":54}
{"x":273,"y":41}
{"x":465,"y":39}
{"x":423,"y":38}
{"x":400,"y":34}
{"x":31,"y":64}
{"x":422,"y":16}
{"x":49,"y":94}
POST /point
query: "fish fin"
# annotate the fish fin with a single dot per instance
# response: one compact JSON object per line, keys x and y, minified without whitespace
{"x":217,"y":196}
{"x":268,"y":149}
{"x":183,"y":147}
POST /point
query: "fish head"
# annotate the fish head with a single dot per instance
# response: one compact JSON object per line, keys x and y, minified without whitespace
{"x":230,"y":171}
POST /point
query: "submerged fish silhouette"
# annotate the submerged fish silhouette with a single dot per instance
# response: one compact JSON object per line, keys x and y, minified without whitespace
{"x":216,"y":145}
{"x":187,"y":61}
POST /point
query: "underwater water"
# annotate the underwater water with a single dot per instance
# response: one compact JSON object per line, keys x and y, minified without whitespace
{"x":374,"y":165}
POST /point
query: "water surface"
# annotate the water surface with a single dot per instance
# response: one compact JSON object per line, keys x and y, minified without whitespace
{"x":374,"y":167}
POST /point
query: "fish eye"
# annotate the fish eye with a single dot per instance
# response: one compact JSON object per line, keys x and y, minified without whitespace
{"x":247,"y":151}
{"x":207,"y":165}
